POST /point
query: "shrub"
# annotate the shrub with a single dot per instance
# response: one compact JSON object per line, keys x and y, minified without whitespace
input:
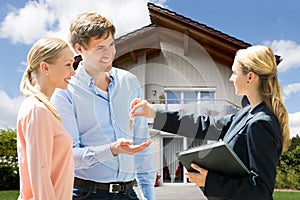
{"x":9,"y":172}
{"x":288,"y":170}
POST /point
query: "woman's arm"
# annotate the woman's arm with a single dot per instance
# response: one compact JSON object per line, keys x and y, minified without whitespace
{"x":39,"y":144}
{"x":191,"y":125}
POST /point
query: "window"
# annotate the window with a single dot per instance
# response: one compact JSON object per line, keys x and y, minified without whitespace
{"x":188,"y":95}
{"x":207,"y":95}
{"x":173,"y":97}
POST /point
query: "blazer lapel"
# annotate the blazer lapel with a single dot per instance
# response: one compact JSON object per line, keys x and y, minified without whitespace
{"x":239,"y":122}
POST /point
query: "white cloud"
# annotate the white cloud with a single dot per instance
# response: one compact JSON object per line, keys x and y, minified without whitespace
{"x":27,"y":24}
{"x":51,"y":17}
{"x":291,"y":88}
{"x":9,"y":109}
{"x":289,"y":51}
{"x":161,"y":3}
{"x":294,"y":124}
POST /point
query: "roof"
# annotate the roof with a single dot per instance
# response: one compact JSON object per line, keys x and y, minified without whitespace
{"x":161,"y":16}
{"x":221,"y":47}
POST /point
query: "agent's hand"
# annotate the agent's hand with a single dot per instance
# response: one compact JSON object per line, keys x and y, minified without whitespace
{"x":197,"y":178}
{"x":127,"y":147}
{"x":148,"y":110}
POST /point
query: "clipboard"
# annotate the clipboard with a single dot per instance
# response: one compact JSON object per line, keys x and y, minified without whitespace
{"x":217,"y":157}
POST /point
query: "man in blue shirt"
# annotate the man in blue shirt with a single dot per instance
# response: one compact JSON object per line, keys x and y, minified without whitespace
{"x":108,"y":154}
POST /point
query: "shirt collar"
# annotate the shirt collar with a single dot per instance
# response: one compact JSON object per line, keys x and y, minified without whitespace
{"x":87,"y":79}
{"x":259,"y":107}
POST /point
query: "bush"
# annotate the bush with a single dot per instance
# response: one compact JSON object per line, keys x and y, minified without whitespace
{"x":288,"y":170}
{"x":9,"y":172}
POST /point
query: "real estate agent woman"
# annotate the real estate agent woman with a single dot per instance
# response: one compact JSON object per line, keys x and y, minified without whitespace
{"x":258,"y":133}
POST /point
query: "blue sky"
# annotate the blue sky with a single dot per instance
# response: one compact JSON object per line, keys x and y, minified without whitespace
{"x":269,"y":22}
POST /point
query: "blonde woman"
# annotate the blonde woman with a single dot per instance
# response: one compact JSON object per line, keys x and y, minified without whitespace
{"x":44,"y":147}
{"x":258,"y":133}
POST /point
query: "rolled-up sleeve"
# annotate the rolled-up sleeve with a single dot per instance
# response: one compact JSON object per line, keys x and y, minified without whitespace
{"x":84,"y":157}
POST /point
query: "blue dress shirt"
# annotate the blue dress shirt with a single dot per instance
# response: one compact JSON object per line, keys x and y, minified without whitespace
{"x":95,"y":118}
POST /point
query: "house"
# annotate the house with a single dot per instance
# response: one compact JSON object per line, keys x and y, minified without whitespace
{"x":182,"y":65}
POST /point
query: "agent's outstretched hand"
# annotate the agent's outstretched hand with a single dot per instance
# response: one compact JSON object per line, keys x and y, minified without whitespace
{"x":148,"y":111}
{"x":127,"y":147}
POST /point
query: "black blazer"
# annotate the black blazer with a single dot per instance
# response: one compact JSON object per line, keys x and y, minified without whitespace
{"x":255,"y":137}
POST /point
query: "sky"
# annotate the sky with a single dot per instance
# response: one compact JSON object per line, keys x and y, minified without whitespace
{"x":268,"y":22}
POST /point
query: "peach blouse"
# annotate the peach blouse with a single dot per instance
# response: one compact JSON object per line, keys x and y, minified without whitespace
{"x":45,"y":154}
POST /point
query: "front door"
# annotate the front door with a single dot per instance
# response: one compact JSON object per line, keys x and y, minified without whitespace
{"x":172,"y":168}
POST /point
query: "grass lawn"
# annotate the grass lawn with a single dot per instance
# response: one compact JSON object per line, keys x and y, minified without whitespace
{"x":283,"y":195}
{"x":9,"y":194}
{"x":278,"y":195}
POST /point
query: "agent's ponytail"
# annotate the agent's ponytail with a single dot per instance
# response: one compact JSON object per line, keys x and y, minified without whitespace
{"x":273,"y":99}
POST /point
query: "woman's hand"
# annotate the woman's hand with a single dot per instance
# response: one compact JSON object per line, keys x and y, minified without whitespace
{"x":148,"y":110}
{"x":197,"y":178}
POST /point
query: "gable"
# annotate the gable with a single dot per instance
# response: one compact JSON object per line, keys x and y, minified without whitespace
{"x":221,"y":47}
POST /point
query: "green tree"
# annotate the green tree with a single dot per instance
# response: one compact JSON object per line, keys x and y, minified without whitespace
{"x":295,"y":142}
{"x":9,"y":173}
{"x":288,"y":169}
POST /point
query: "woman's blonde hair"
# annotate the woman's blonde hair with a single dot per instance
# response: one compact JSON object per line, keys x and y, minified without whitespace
{"x":44,"y":50}
{"x":262,"y":61}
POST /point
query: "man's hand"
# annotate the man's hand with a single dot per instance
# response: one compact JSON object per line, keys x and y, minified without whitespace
{"x":148,"y":110}
{"x":127,"y":147}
